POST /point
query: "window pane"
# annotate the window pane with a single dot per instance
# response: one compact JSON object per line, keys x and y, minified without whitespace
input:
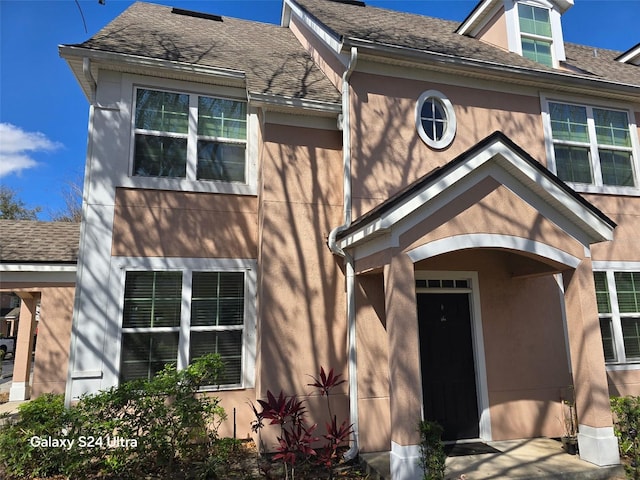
{"x":538,"y":51}
{"x":217,"y":299}
{"x":573,"y":164}
{"x":222,"y":118}
{"x":160,"y":156}
{"x":162,"y":111}
{"x":145,"y":354}
{"x":616,"y":168}
{"x":628,"y":289}
{"x":602,"y":292}
{"x":612,"y":128}
{"x":569,"y":122}
{"x":631,"y":335}
{"x":433,"y":118}
{"x":221,"y":161}
{"x":152,"y":299}
{"x":227,"y":344}
{"x":607,"y":340}
{"x":534,"y":20}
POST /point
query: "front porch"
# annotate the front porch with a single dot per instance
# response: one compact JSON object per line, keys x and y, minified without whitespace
{"x":534,"y":458}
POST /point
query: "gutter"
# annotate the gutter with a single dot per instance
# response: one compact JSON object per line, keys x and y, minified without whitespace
{"x":542,"y":78}
{"x":345,"y":125}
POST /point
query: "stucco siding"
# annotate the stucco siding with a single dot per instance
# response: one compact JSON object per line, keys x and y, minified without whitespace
{"x":155,"y":223}
{"x":387,"y":152}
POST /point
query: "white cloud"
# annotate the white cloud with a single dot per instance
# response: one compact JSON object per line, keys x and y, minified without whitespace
{"x":16,"y":145}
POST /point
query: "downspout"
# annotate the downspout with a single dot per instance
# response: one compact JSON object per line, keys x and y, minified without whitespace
{"x":86,"y":70}
{"x":345,"y":125}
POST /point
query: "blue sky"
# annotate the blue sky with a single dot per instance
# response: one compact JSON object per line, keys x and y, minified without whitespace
{"x":44,"y":114}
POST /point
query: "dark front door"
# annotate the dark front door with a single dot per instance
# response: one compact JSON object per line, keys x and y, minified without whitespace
{"x":447,"y":361}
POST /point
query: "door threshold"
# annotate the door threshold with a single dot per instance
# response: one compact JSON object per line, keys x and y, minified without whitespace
{"x":465,"y":440}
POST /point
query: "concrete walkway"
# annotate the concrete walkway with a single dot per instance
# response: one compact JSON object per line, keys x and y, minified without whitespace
{"x":538,"y":458}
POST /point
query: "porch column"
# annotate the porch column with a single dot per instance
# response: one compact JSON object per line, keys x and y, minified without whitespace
{"x":20,"y":388}
{"x":596,"y":440}
{"x":405,"y":390}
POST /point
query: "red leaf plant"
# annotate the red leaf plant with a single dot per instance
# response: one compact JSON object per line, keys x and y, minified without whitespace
{"x":296,"y":438}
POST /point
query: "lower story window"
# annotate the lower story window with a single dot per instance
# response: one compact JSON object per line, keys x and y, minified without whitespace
{"x":169,"y":316}
{"x":618,"y":297}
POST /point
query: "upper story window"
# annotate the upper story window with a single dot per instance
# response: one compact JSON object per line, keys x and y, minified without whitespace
{"x":435,"y":119}
{"x":618,"y":297}
{"x":592,"y":146}
{"x":189,"y":136}
{"x":535,"y":32}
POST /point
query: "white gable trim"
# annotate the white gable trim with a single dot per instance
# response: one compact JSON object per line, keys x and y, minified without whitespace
{"x":631,"y":56}
{"x":318,"y":29}
{"x":497,"y":161}
{"x":489,"y":240}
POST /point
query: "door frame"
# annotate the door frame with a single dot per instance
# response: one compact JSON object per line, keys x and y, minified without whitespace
{"x":482,"y":390}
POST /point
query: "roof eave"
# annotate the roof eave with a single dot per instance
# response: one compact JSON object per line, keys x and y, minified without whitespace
{"x":504,"y":72}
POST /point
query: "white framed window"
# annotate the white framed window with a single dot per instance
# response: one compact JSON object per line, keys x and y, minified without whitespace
{"x":189,"y":136}
{"x":435,"y":119}
{"x":618,"y":298}
{"x":536,"y":37}
{"x":591,"y":147}
{"x":175,"y":313}
{"x":534,"y":30}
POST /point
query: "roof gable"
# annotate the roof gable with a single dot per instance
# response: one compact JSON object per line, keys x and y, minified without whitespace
{"x":501,"y":159}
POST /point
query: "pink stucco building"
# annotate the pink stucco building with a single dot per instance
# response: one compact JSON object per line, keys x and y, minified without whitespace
{"x":445,"y":213}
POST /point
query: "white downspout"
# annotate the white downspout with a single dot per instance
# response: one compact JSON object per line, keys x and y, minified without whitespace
{"x":345,"y":125}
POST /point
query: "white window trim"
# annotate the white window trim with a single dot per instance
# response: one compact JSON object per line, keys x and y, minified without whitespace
{"x":514,"y":36}
{"x":450,"y":126}
{"x":598,"y":188}
{"x":187,"y":266}
{"x":189,"y":184}
{"x":482,"y":386}
{"x":621,"y":362}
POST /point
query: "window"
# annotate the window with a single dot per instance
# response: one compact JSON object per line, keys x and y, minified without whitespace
{"x":435,"y":119}
{"x":173,"y":315}
{"x":618,"y":297}
{"x":168,"y":144}
{"x":592,"y":145}
{"x":535,"y":33}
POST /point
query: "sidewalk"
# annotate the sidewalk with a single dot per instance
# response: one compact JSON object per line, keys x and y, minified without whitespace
{"x":537,"y":458}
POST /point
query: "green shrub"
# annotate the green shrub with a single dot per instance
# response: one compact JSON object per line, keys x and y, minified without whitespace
{"x":432,"y":456}
{"x":626,"y":412}
{"x":140,"y":427}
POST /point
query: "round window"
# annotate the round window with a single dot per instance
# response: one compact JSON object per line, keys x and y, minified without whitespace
{"x":435,"y":119}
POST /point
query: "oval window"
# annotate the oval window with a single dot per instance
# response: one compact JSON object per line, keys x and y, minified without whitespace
{"x":435,"y":119}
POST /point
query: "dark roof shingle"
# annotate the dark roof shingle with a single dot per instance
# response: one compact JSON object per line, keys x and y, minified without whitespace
{"x":25,"y":241}
{"x":272,"y":59}
{"x":387,"y":27}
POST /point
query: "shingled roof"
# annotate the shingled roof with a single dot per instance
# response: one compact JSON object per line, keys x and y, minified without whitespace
{"x":272,"y":59}
{"x":24,"y":241}
{"x":379,"y":26}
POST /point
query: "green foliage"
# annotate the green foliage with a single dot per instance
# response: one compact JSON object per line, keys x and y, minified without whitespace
{"x":432,"y":456}
{"x":626,"y":412}
{"x":141,"y":427}
{"x":12,"y":208}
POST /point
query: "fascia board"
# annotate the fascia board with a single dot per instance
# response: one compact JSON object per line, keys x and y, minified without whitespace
{"x":331,"y":39}
{"x":491,"y":70}
{"x":70,"y":52}
{"x":630,"y":55}
{"x":36,"y":267}
{"x":478,"y":16}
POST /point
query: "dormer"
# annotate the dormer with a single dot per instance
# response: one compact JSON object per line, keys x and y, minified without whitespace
{"x":530,"y":28}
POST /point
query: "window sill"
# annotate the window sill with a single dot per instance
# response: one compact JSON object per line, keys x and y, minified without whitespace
{"x":183,"y":185}
{"x":222,"y":388}
{"x":605,"y":190}
{"x":616,"y":367}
